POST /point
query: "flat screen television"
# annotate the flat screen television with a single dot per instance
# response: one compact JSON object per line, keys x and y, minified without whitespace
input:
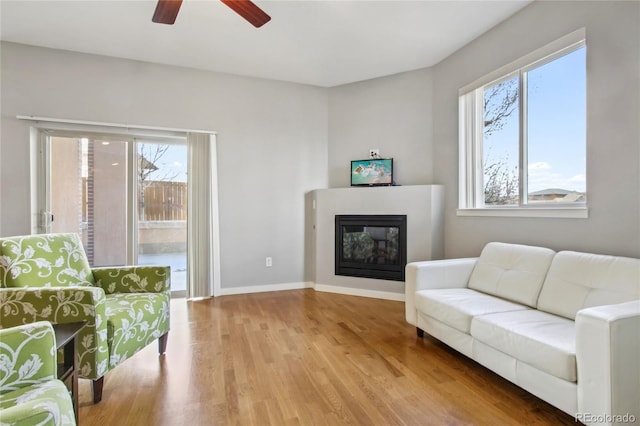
{"x":373,"y":172}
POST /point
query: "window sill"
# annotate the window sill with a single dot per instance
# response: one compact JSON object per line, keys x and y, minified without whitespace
{"x":561,"y":213}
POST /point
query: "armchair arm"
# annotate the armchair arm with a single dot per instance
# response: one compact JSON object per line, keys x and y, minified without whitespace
{"x":60,"y":305}
{"x":133,"y":279}
{"x":27,"y":355}
{"x":449,"y":273}
{"x":608,"y":360}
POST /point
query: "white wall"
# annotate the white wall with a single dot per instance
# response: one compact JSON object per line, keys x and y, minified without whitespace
{"x":613,"y":130}
{"x":272,"y":143}
{"x":391,"y":113}
{"x":413,"y":117}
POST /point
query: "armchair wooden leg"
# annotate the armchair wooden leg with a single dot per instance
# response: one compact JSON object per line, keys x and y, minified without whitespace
{"x":420,"y":332}
{"x":96,"y":387}
{"x":162,"y":343}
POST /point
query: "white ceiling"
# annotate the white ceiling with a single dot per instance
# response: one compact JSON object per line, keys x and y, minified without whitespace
{"x":323,"y":43}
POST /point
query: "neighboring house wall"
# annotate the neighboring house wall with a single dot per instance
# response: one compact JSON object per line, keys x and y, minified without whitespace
{"x":107,"y":231}
{"x":272,"y":143}
{"x":68,"y":203}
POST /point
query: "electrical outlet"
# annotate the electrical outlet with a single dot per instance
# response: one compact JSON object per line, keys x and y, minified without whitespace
{"x":374,"y":153}
{"x":268,"y":262}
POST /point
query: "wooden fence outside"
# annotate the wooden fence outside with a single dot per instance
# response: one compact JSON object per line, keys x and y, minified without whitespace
{"x":163,"y":201}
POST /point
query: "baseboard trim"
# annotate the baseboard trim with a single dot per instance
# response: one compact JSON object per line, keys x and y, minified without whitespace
{"x":265,"y":288}
{"x":350,"y":291}
{"x":374,"y":294}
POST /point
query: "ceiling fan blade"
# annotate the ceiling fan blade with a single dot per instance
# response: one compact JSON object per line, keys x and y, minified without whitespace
{"x":249,"y":11}
{"x":166,"y":11}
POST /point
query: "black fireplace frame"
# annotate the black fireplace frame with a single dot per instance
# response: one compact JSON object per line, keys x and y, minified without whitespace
{"x":393,"y":272}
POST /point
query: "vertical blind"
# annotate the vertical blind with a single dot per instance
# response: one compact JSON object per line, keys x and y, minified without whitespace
{"x":202,"y":225}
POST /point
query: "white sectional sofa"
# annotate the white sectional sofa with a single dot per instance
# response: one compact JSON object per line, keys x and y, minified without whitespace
{"x":564,"y":326}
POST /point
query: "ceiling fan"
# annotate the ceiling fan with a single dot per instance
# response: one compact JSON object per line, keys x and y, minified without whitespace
{"x":167,"y":11}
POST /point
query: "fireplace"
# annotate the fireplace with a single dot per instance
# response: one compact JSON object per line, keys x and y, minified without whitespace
{"x":371,"y":246}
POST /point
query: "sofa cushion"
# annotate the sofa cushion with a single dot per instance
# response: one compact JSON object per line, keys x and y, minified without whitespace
{"x":512,"y":271}
{"x":582,"y":280}
{"x":45,"y":260}
{"x":544,"y":341}
{"x":457,"y":306}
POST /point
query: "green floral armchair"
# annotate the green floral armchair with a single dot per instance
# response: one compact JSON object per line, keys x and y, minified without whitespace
{"x":48,"y":277}
{"x":30,"y":394}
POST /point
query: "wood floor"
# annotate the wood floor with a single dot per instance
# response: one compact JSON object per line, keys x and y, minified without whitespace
{"x":305,"y":358}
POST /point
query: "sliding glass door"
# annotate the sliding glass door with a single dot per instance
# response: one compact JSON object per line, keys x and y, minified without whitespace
{"x":125,"y":196}
{"x":162,"y":207}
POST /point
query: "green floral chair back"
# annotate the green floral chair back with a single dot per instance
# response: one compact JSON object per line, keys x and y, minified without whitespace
{"x":22,"y":363}
{"x":46,"y":260}
{"x":30,"y":393}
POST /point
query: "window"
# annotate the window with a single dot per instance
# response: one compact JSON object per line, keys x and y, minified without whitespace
{"x":523,"y":135}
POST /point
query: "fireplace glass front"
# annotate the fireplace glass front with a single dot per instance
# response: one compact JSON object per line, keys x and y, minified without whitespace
{"x":371,"y":246}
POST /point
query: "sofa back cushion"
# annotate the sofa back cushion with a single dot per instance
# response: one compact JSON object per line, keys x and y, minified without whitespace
{"x":581,"y":280}
{"x":45,"y":260}
{"x":511,"y":271}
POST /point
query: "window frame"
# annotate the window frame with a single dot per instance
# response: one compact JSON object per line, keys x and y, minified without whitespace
{"x":471,"y":136}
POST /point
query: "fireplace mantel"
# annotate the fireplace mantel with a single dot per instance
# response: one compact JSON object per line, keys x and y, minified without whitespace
{"x":423,"y":205}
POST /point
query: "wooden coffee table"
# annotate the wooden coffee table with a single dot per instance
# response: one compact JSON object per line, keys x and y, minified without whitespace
{"x":66,"y":340}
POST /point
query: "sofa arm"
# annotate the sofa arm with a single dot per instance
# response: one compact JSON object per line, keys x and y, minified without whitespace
{"x":608,"y":360}
{"x":450,"y":273}
{"x":28,"y":355}
{"x":60,"y":305}
{"x":133,"y":279}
